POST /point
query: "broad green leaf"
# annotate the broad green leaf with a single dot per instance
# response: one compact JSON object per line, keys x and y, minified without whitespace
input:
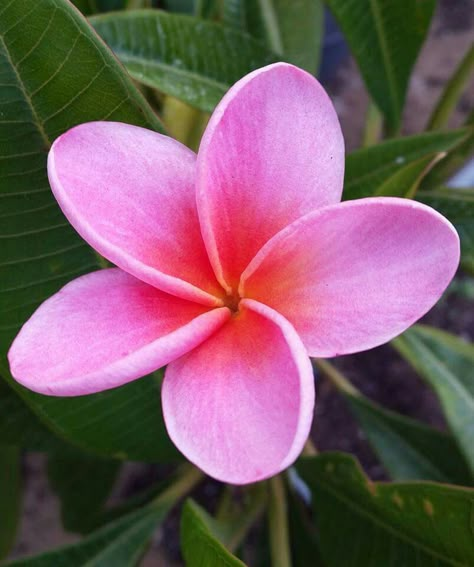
{"x":452,"y":92}
{"x":56,"y":73}
{"x":365,"y":524}
{"x":10,"y":497}
{"x":385,"y":37}
{"x":119,"y":544}
{"x":408,"y":449}
{"x":201,"y":541}
{"x":21,"y":427}
{"x":172,"y":52}
{"x":405,"y":181}
{"x":83,"y":483}
{"x":290,"y":28}
{"x":446,"y":363}
{"x":367,"y":169}
{"x":458,"y":206}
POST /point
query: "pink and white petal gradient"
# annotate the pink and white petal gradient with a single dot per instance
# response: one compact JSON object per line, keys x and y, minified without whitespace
{"x":254,"y":225}
{"x":103,"y":330}
{"x":272,"y":152}
{"x":240,"y":405}
{"x":353,"y":276}
{"x":130,"y":193}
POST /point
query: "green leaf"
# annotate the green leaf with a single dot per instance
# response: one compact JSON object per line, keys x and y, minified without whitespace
{"x":446,"y":363}
{"x":120,"y":544}
{"x":291,"y":28}
{"x":201,"y":540}
{"x":458,"y":206}
{"x":10,"y":497}
{"x":171,"y":52}
{"x":405,"y":181}
{"x":20,"y":426}
{"x":452,"y":92}
{"x":365,"y":524}
{"x":55,"y":74}
{"x":367,"y":169}
{"x":83,"y":483}
{"x":385,"y":38}
{"x":408,"y":449}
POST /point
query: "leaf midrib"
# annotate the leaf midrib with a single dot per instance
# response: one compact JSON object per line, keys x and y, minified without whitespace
{"x":392,"y":530}
{"x":21,"y":85}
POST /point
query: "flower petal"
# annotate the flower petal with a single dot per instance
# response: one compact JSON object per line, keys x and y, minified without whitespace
{"x":130,"y":194}
{"x":105,"y":329}
{"x":355,"y":275}
{"x":240,"y":405}
{"x":272,"y":152}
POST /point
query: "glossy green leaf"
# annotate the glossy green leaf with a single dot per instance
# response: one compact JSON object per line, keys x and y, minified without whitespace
{"x":20,"y":426}
{"x":366,"y":524}
{"x":201,"y":540}
{"x":290,"y":28}
{"x":408,"y":449}
{"x":452,"y":91}
{"x":385,"y":37}
{"x":367,"y":169}
{"x":119,"y":544}
{"x":10,"y":497}
{"x":172,"y":52}
{"x":83,"y":483}
{"x":405,"y":181}
{"x":446,"y":363}
{"x":458,"y":206}
{"x":56,"y":73}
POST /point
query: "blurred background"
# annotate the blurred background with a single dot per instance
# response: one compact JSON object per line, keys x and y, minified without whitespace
{"x":380,"y":374}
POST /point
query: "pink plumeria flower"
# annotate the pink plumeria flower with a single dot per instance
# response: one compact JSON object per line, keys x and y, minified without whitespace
{"x":234,"y":266}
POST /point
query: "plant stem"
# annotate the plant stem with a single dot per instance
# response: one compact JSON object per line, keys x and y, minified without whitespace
{"x":257,"y":494}
{"x":190,"y":476}
{"x":336,"y":377}
{"x":278,"y":524}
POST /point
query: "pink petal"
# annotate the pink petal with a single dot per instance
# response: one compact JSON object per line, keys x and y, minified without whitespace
{"x":103,"y":330}
{"x":130,"y":193}
{"x":272,"y":152}
{"x":240,"y":406}
{"x":355,"y":275}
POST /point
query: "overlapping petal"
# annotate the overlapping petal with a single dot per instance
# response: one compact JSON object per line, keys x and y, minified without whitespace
{"x":352,"y":276}
{"x":240,"y":405}
{"x":272,"y":152}
{"x":103,"y":330}
{"x":130,"y":193}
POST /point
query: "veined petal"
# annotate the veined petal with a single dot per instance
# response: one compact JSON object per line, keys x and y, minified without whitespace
{"x":272,"y":152}
{"x":355,"y":275}
{"x":240,"y":405}
{"x":130,"y":194}
{"x":103,"y":330}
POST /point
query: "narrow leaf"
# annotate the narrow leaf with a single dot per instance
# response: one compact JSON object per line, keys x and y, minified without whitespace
{"x":200,"y":540}
{"x":408,"y":449}
{"x":368,"y":168}
{"x":446,"y":363}
{"x":172,"y":52}
{"x":385,"y":38}
{"x":452,"y":92}
{"x":363,"y":523}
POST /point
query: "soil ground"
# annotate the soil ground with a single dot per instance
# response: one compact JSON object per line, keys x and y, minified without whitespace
{"x":379,"y":373}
